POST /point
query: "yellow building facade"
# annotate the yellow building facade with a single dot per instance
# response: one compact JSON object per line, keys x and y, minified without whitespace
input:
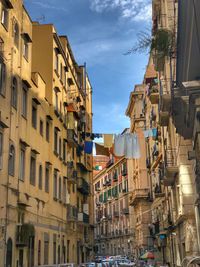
{"x":45,"y":107}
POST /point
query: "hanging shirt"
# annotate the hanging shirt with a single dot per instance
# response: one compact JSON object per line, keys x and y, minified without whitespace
{"x":154,"y":132}
{"x":119,"y":145}
{"x":108,"y":140}
{"x":88,"y":147}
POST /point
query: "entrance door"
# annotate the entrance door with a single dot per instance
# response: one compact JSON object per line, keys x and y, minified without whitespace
{"x":21,"y":258}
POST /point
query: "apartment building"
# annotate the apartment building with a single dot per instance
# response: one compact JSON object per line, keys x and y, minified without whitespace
{"x":139,"y":188}
{"x":45,"y":107}
{"x":114,"y":234}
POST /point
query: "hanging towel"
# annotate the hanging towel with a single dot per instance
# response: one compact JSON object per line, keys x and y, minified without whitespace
{"x":88,"y":147}
{"x":101,"y":150}
{"x":154,"y":131}
{"x":119,"y":145}
{"x":108,"y":140}
{"x":150,"y":133}
{"x":146,"y":133}
{"x":132,"y":148}
{"x":136,"y":147}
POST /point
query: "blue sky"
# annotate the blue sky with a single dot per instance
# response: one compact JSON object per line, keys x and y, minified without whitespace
{"x":100,"y":31}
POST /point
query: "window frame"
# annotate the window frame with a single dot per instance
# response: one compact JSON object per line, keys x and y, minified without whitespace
{"x":47,"y":175}
{"x":5,"y":17}
{"x":11,"y":171}
{"x":41,"y":127}
{"x":34,"y":112}
{"x":40,"y":177}
{"x":24,"y":104}
{"x":32,"y":178}
{"x":16,"y":34}
{"x":22,"y":168}
{"x":14,"y":92}
{"x":2,"y":77}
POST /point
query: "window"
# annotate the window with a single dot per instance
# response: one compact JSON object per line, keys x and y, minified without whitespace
{"x":32,"y":169}
{"x":1,"y":150}
{"x":25,"y":49}
{"x":11,"y":163}
{"x":64,"y":150}
{"x":61,"y":71}
{"x":16,"y":34}
{"x":22,"y":164}
{"x":55,"y":182}
{"x":40,"y":177}
{"x":60,"y":147}
{"x":24,"y":100}
{"x":56,"y":61}
{"x":54,"y":248}
{"x":64,"y":190}
{"x":46,"y":248}
{"x":14,"y":93}
{"x":56,"y":140}
{"x":41,"y":127}
{"x":4,"y":17}
{"x":47,"y":179}
{"x":56,"y":100}
{"x":60,"y":189}
{"x":2,"y":77}
{"x":34,"y":116}
{"x":47,"y":130}
{"x":39,"y":252}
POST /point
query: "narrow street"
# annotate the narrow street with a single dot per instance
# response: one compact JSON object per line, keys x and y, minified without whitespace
{"x":100,"y":133}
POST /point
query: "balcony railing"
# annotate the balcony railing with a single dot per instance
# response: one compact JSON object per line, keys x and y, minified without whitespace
{"x":72,"y":213}
{"x":83,"y":217}
{"x":171,"y":168}
{"x":23,"y":234}
{"x":83,"y":186}
{"x":139,"y":194}
{"x":71,"y":175}
{"x":154,"y":94}
{"x":72,"y":137}
{"x":125,"y":211}
{"x":116,"y":213}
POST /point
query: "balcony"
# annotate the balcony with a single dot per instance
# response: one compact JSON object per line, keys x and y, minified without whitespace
{"x":154,"y":94}
{"x":116,"y":214}
{"x":139,"y":194}
{"x":125,"y":211}
{"x":165,"y":103}
{"x":171,"y":169}
{"x":83,"y":217}
{"x":109,"y":217}
{"x":72,"y":213}
{"x":164,"y":118}
{"x":115,"y":177}
{"x":83,"y":186}
{"x":71,"y":175}
{"x":23,"y":234}
{"x":124,"y":172}
{"x":72,"y":138}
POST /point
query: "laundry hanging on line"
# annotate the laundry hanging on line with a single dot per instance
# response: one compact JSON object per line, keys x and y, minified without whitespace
{"x":88,"y":147}
{"x":127,"y":145}
{"x":108,"y":140}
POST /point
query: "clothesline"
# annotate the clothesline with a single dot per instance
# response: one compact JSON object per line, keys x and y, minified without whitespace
{"x":126,"y":144}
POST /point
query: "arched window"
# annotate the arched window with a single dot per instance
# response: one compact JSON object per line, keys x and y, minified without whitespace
{"x":14,"y":92}
{"x":16,"y":34}
{"x":11,"y":163}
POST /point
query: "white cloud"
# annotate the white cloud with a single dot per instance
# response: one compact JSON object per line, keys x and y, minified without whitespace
{"x":136,"y":10}
{"x":48,"y":5}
